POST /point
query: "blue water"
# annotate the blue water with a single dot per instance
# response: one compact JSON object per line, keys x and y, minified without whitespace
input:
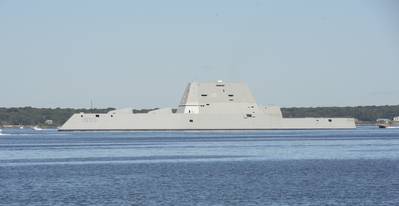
{"x":332,"y":167}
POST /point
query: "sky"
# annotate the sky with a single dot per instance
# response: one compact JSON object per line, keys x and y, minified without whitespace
{"x":142,"y":54}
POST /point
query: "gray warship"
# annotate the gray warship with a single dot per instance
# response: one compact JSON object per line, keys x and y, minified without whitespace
{"x":204,"y":106}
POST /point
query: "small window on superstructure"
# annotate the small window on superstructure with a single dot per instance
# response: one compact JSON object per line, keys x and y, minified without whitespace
{"x":191,"y":120}
{"x":231,"y":95}
{"x":220,"y":85}
{"x":112,"y":115}
{"x":97,"y":115}
{"x":231,"y":100}
{"x":207,"y":104}
{"x":204,"y":95}
{"x":329,"y":120}
{"x":81,"y":115}
{"x":249,"y":115}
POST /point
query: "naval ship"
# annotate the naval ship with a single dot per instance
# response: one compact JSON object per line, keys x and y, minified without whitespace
{"x":204,"y":106}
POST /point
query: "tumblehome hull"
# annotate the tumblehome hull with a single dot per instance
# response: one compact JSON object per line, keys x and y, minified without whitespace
{"x":148,"y":122}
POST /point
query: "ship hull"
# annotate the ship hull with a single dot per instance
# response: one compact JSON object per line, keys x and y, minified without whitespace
{"x":170,"y":122}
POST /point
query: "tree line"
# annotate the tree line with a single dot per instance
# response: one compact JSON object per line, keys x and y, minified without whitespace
{"x":39,"y":116}
{"x":361,"y":113}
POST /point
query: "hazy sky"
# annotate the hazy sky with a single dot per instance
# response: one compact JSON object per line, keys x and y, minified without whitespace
{"x":143,"y":53}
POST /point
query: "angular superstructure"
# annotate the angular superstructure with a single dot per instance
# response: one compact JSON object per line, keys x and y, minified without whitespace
{"x":204,"y":106}
{"x":216,"y":98}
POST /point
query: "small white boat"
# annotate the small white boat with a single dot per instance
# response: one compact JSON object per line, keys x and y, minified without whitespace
{"x":36,"y":128}
{"x":388,"y":123}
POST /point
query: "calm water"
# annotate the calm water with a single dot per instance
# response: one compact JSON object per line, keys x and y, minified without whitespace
{"x":349,"y":167}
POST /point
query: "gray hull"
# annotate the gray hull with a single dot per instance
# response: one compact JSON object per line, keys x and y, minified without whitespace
{"x":199,"y":122}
